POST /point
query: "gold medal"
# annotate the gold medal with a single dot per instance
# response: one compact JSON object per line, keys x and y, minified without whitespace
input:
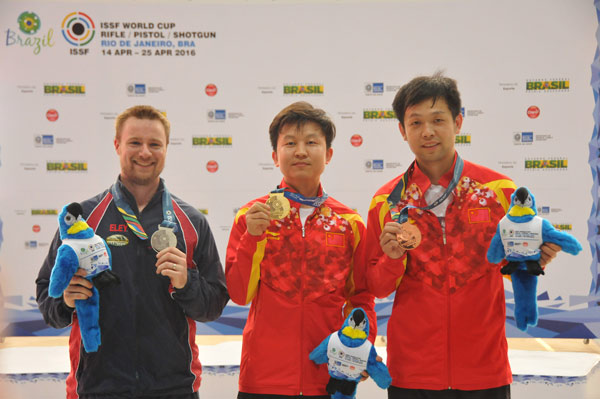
{"x":409,"y":237}
{"x":163,"y":238}
{"x":280,"y":206}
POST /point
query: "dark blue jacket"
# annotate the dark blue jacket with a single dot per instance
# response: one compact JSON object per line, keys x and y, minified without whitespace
{"x":148,"y":329}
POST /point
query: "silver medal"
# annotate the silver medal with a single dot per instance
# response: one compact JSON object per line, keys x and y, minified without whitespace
{"x":163,"y":238}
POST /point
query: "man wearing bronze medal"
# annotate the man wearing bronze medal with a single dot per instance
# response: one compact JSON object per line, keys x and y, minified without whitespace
{"x":165,"y":256}
{"x":296,"y":255}
{"x":446,"y":336}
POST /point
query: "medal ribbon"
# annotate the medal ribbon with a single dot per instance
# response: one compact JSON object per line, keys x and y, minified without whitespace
{"x":131,"y":219}
{"x":310,"y":201}
{"x":396,"y":194}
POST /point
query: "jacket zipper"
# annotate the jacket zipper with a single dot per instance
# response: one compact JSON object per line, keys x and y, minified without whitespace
{"x":302,"y":303}
{"x":443,"y":226}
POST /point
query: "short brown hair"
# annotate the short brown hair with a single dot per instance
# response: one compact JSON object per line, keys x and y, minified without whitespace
{"x":299,"y":113}
{"x":142,"y":112}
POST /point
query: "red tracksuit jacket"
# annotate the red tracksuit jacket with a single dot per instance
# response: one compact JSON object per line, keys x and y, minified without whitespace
{"x":298,"y":281}
{"x":446,"y":329}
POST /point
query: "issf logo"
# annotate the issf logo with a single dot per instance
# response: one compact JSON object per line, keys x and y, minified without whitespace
{"x":78,"y":28}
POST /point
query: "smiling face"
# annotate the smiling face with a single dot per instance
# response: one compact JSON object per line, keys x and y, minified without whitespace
{"x":301,"y":156}
{"x":142,"y":149}
{"x":430,"y":131}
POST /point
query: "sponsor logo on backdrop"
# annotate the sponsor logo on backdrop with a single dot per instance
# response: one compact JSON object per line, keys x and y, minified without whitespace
{"x":210,"y":90}
{"x":463,"y":139}
{"x":136,"y":89}
{"x":141,"y":89}
{"x":356,"y":140}
{"x":520,"y":138}
{"x":379,"y":114}
{"x":44,"y":140}
{"x":26,"y":89}
{"x":48,"y":140}
{"x":545,"y":210}
{"x":29,"y":166}
{"x":36,"y":228}
{"x":267,"y":165}
{"x":64,"y":89}
{"x":546,"y":164}
{"x":470,"y":112}
{"x":267,"y":89}
{"x":527,"y":138}
{"x":347,"y":114}
{"x":221,"y":115}
{"x":55,"y":166}
{"x":563,"y":226}
{"x":216,"y":115}
{"x":303,"y":89}
{"x":212,"y":166}
{"x":33,"y":244}
{"x":374,"y":165}
{"x":212,"y":141}
{"x":378,"y":88}
{"x":375,"y":88}
{"x":508,"y":86}
{"x":30,"y":25}
{"x":533,"y":112}
{"x":36,"y":212}
{"x":507,"y":164}
{"x":52,"y":115}
{"x":546,"y":85}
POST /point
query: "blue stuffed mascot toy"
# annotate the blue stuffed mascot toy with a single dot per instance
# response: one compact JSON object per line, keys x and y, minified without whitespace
{"x":82,"y":248}
{"x":348,"y":353}
{"x":518,"y":239}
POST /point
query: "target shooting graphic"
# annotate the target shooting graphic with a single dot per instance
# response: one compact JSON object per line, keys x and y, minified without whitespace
{"x":78,"y":28}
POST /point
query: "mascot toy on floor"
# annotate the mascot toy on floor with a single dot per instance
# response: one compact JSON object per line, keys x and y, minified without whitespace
{"x":82,"y":248}
{"x":518,"y":239}
{"x":348,"y":352}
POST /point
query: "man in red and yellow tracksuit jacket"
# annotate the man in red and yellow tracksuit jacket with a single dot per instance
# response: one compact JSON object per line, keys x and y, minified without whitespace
{"x":298,"y":279}
{"x":300,"y":262}
{"x":446,"y":329}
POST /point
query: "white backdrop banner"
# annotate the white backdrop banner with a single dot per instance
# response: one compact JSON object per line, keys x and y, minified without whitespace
{"x":222,"y":72}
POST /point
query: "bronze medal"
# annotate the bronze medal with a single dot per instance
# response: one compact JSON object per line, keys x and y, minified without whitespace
{"x":163,"y":238}
{"x":280,"y":206}
{"x":409,"y":237}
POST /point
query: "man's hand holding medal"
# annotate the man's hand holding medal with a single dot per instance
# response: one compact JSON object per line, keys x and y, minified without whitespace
{"x":396,"y":238}
{"x":259,"y":216}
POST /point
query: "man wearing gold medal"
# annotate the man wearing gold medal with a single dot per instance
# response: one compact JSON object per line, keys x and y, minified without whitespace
{"x":427,"y":238}
{"x":165,"y":256}
{"x":296,"y":255}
